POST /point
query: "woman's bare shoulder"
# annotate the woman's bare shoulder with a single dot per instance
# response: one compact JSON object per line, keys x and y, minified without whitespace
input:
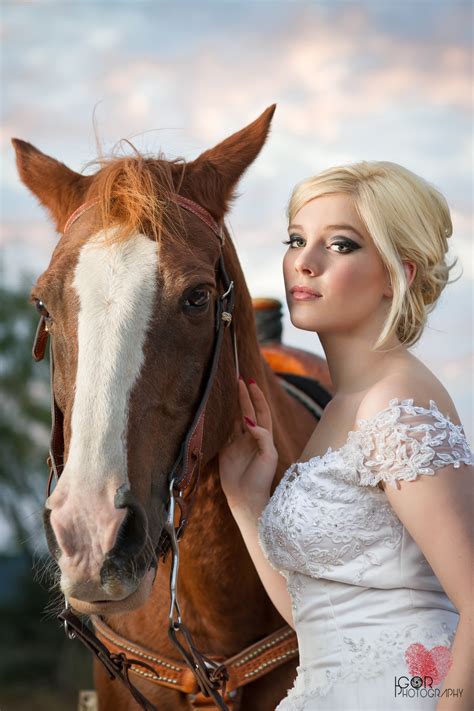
{"x":413,"y":380}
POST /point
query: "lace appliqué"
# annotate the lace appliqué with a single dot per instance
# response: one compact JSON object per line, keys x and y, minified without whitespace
{"x":404,"y":441}
{"x":315,"y":523}
{"x":295,"y":584}
{"x":363,"y":658}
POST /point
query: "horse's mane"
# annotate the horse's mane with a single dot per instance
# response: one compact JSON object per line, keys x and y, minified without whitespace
{"x":133,"y":196}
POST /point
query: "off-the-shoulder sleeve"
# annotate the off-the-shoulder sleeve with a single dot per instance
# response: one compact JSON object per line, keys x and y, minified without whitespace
{"x":405,"y":441}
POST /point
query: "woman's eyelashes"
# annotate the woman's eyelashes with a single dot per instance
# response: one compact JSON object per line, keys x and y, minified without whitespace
{"x":293,"y":239}
{"x":347,"y":246}
{"x":343,"y":244}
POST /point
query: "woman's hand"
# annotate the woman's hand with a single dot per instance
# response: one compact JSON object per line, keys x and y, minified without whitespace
{"x":248,"y":463}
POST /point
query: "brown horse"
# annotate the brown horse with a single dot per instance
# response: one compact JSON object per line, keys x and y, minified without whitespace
{"x":130,"y":297}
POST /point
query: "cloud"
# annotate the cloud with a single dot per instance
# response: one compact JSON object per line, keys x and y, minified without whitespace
{"x":355,"y":80}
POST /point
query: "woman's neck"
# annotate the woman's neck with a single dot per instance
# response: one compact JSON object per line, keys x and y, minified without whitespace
{"x":353,"y":365}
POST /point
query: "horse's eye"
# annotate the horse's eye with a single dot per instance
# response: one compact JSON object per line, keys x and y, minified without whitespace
{"x":198,"y":297}
{"x":41,"y":308}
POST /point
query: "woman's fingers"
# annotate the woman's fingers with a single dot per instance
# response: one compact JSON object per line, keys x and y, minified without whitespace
{"x":246,"y":410}
{"x":254,"y":404}
{"x":263,"y":439}
{"x":262,"y":410}
{"x":245,"y":401}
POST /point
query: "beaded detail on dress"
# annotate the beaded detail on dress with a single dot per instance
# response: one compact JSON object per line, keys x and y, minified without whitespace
{"x":331,"y":526}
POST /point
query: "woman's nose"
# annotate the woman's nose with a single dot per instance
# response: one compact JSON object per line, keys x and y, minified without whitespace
{"x":306,"y":262}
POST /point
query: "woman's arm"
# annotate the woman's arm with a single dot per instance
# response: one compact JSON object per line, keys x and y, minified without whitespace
{"x":273,"y":582}
{"x":247,"y":466}
{"x":437,"y":512}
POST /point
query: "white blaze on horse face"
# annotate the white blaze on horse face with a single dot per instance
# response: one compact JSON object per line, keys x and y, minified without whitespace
{"x":116,"y":286}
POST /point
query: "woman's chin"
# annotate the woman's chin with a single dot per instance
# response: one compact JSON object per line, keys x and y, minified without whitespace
{"x":117,"y":607}
{"x":304,"y":322}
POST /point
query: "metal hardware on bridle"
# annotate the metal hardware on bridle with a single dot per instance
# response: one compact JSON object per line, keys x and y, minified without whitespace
{"x":70,"y":634}
{"x":117,"y":665}
{"x":209,"y":674}
{"x":182,"y":480}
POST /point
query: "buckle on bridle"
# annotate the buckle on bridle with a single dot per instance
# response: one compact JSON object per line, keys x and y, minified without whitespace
{"x":68,"y":631}
{"x":226,"y":317}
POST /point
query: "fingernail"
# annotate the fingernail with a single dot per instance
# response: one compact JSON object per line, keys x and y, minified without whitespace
{"x":252,"y":381}
{"x":240,"y":377}
{"x":250,"y":422}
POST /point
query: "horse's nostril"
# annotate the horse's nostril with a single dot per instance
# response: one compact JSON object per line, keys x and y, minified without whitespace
{"x":127,"y":559}
{"x":126,"y":530}
{"x":131,"y":535}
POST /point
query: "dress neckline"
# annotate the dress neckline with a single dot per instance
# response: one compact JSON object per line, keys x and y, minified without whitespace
{"x":394,"y":402}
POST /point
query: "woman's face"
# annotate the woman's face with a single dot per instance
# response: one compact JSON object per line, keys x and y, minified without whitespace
{"x":332,"y":254}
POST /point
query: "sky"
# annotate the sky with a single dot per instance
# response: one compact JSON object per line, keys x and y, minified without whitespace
{"x":353,"y":80}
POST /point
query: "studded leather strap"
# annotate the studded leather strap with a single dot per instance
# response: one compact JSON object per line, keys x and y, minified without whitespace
{"x":251,"y":663}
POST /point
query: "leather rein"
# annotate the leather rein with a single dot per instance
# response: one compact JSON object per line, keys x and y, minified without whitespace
{"x":206,"y":684}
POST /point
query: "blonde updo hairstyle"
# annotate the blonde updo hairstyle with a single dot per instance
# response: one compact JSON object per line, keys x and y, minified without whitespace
{"x":407,"y":219}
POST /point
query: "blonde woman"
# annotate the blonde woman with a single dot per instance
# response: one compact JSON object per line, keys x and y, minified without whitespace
{"x":365,"y":546}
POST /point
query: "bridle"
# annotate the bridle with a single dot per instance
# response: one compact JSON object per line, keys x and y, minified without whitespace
{"x":182,"y":484}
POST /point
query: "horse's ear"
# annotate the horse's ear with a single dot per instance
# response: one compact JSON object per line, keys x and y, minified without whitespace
{"x":58,"y":188}
{"x":214,"y":175}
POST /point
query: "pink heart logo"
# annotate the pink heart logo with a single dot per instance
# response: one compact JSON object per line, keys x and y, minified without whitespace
{"x":434,"y":663}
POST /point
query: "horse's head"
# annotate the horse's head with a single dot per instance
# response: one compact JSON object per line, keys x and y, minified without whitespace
{"x":130,"y":296}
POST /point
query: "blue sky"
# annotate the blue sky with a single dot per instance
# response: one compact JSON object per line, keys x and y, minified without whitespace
{"x":377,"y":80}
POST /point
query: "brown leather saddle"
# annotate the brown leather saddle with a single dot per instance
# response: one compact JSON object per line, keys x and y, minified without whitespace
{"x":303,"y":374}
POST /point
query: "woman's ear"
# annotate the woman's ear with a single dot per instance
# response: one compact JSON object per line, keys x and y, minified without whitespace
{"x":410,"y":271}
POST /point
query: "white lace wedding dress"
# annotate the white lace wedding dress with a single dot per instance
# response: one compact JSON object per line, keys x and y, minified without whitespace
{"x":362,"y":592}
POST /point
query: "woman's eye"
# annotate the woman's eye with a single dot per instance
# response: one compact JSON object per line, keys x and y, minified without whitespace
{"x":198,"y":297}
{"x":346,"y":246}
{"x":293,"y":241}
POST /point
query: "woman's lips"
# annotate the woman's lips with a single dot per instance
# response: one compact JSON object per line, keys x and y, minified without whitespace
{"x":304,"y":294}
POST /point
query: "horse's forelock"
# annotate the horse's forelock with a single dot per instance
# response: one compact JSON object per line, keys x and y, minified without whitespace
{"x":133,"y":196}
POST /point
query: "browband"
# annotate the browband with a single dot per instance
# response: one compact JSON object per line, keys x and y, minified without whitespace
{"x":184,"y":202}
